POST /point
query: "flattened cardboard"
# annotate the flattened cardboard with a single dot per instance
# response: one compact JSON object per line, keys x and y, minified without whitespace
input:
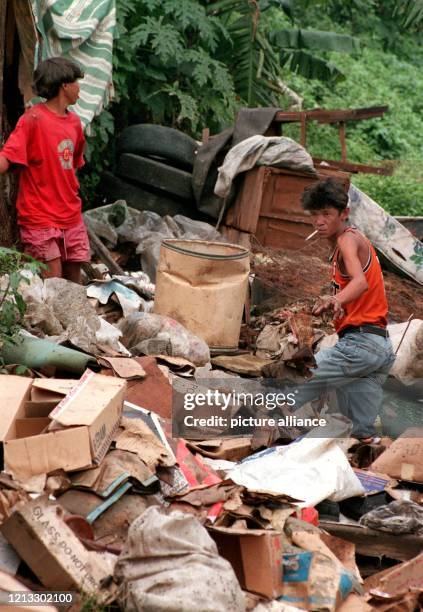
{"x":256,"y":557}
{"x":14,"y":392}
{"x":68,"y":449}
{"x":403,"y":577}
{"x":232,"y":449}
{"x":123,"y":367}
{"x":50,"y":548}
{"x":86,"y":421}
{"x":404,"y":458}
{"x":62,"y":386}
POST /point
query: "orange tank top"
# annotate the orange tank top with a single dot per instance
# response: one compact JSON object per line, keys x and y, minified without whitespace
{"x":372,"y":306}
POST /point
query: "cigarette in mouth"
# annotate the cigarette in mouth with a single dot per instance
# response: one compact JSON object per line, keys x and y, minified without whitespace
{"x":311,"y":235}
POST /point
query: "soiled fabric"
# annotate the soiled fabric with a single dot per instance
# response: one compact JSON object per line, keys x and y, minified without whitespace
{"x":170,"y":564}
{"x":82,"y":30}
{"x":257,"y":150}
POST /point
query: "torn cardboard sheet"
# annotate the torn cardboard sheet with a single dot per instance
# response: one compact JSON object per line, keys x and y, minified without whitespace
{"x":123,"y":367}
{"x":248,"y":365}
{"x":117,"y":467}
{"x":404,"y":458}
{"x":154,"y":392}
{"x":311,"y":538}
{"x":181,"y":366}
{"x":228,"y":449}
{"x":135,"y":436}
{"x":89,"y":505}
{"x":374,"y":482}
{"x":255,"y":555}
{"x":398,"y":579}
{"x":314,"y":581}
{"x":49,"y":547}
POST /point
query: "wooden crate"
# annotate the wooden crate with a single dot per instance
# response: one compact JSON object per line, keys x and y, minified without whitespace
{"x":268,"y":206}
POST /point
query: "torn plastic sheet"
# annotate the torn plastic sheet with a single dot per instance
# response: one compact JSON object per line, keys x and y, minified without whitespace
{"x":61,"y":311}
{"x":128,"y":299}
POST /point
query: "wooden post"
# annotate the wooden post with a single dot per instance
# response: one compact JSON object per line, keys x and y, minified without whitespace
{"x":8,"y":182}
{"x":6,"y":236}
{"x":303,"y":137}
{"x":343,"y":140}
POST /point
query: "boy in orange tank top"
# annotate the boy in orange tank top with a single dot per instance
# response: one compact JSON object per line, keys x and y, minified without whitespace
{"x":359,"y":363}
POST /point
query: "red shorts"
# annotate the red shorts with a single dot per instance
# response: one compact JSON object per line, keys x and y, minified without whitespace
{"x":70,"y":244}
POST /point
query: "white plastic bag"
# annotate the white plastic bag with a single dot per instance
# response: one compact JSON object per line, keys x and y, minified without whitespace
{"x":311,"y":469}
{"x":408,"y":365}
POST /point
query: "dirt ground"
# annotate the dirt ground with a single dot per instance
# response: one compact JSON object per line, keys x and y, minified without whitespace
{"x":295,"y":275}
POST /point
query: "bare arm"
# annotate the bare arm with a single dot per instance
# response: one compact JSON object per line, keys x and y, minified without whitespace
{"x":4,"y":164}
{"x":348,"y":248}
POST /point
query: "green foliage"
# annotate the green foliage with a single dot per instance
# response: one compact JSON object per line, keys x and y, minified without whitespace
{"x":165,"y":67}
{"x":13,"y":264}
{"x":376,"y":77}
{"x":192,"y":63}
{"x":98,"y":155}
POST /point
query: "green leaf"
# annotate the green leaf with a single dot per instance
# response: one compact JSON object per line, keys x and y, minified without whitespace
{"x":312,"y":67}
{"x":314,"y":39}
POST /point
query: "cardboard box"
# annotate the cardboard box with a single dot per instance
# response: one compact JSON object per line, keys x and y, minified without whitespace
{"x":404,"y":458}
{"x":14,"y":392}
{"x":76,"y":434}
{"x":51,"y":549}
{"x":256,"y":557}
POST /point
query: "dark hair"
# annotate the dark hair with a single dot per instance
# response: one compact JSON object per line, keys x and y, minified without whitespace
{"x":329,"y":193}
{"x":52,"y":73}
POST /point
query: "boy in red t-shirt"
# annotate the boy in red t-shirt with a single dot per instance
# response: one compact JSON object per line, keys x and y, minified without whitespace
{"x":47,"y":146}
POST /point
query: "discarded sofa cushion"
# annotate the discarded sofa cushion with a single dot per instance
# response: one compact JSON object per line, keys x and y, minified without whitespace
{"x":171,"y":564}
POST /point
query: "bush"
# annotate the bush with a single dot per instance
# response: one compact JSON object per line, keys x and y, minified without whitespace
{"x":12,"y":305}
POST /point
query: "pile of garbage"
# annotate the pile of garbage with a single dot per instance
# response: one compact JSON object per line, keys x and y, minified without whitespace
{"x":97,"y":498}
{"x":120,"y":487}
{"x":107,"y":495}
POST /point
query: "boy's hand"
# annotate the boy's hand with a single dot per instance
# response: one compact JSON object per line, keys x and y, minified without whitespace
{"x":329,"y":302}
{"x":4,"y":164}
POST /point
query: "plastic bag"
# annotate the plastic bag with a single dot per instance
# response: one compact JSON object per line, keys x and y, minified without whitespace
{"x":153,"y":334}
{"x":408,"y":365}
{"x":118,"y":222}
{"x":171,"y":564}
{"x":311,"y":469}
{"x":398,"y":517}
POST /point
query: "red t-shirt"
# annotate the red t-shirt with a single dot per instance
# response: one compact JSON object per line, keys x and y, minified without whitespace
{"x":49,"y":148}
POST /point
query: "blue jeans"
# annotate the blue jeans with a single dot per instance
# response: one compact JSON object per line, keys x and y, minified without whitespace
{"x":356,"y":368}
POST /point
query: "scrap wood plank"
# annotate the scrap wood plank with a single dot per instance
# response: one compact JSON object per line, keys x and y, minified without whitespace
{"x":374,"y":543}
{"x":103,"y":254}
{"x":353,"y":167}
{"x":332,"y":115}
